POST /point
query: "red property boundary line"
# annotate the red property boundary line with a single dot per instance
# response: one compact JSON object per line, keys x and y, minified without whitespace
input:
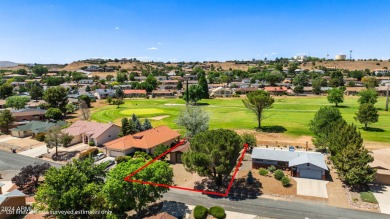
{"x":128,"y":178}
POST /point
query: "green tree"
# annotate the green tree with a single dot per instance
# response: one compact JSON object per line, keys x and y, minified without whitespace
{"x":194,"y":120}
{"x":179,"y":85}
{"x":123,"y":196}
{"x":203,"y":84}
{"x":274,"y":77}
{"x":36,"y":92}
{"x":88,"y":88}
{"x":322,"y":125}
{"x":17,"y":102}
{"x":109,"y":78}
{"x":317,"y":84}
{"x":6,"y":90}
{"x":128,"y":127}
{"x":56,"y":138}
{"x":6,"y":119}
{"x":159,"y":150}
{"x":195,"y":93}
{"x":118,"y":102}
{"x":367,"y":114}
{"x":336,"y":95}
{"x":70,"y":108}
{"x":119,"y":93}
{"x":213,"y":153}
{"x":56,"y":97}
{"x":369,"y":82}
{"x":53,"y":113}
{"x":147,"y":125}
{"x":73,"y":187}
{"x":249,"y":139}
{"x":301,"y":79}
{"x":86,"y":99}
{"x":121,"y":77}
{"x":368,"y":96}
{"x":136,"y":123}
{"x":151,"y":83}
{"x":39,"y":70}
{"x":21,"y":71}
{"x":257,"y":101}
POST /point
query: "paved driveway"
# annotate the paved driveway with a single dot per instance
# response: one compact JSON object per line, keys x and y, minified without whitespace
{"x":382,"y":195}
{"x":35,"y":152}
{"x":311,"y":187}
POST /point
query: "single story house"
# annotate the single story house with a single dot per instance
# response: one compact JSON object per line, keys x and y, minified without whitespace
{"x":163,"y":93}
{"x":245,"y":90}
{"x":86,"y":81}
{"x":143,"y":141}
{"x":221,"y":92}
{"x":382,"y":165}
{"x":276,"y":90}
{"x":10,"y":198}
{"x":135,"y":93}
{"x":301,"y":163}
{"x":86,"y":132}
{"x":353,"y":90}
{"x":34,"y":127}
{"x":176,"y":154}
{"x":104,"y":93}
{"x":24,"y":115}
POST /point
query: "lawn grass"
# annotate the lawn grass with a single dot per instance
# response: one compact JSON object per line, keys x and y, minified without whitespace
{"x":368,"y":197}
{"x":290,"y":115}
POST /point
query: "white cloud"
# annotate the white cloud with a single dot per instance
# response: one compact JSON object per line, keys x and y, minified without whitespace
{"x":273,"y":53}
{"x":116,"y":28}
{"x":159,"y":43}
{"x":152,"y":48}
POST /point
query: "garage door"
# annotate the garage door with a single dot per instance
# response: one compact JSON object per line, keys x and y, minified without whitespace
{"x":116,"y":153}
{"x":310,"y":174}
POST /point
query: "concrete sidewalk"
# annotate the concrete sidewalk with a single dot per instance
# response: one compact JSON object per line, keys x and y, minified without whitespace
{"x":382,"y":195}
{"x":35,"y":152}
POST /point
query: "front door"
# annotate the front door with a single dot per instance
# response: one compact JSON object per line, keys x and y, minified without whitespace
{"x":178,"y":157}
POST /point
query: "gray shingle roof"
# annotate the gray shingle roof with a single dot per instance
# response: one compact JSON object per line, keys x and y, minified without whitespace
{"x":293,"y":157}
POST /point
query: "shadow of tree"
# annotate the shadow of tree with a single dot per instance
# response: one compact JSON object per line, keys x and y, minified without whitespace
{"x":273,"y":129}
{"x":371,"y":129}
{"x":240,"y":189}
{"x":64,"y":155}
{"x":341,"y":106}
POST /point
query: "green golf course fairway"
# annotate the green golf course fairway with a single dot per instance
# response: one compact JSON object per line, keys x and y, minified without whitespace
{"x":289,"y":115}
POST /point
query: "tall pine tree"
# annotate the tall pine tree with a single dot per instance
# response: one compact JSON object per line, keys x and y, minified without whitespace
{"x":203,"y":84}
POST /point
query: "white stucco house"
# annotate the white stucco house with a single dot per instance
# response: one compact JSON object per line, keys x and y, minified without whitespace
{"x":86,"y":132}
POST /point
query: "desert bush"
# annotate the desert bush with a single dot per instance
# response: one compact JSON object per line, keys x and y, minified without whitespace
{"x":271,"y":168}
{"x":278,"y":174}
{"x":263,"y":172}
{"x":91,"y":143}
{"x":90,"y":152}
{"x":40,"y":137}
{"x":200,"y":212}
{"x":217,"y":212}
{"x":285,"y":181}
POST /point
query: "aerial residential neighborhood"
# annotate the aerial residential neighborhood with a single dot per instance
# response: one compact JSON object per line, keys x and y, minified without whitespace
{"x":196,"y":110}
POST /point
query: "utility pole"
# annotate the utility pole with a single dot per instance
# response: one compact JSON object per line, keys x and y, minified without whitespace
{"x":350,"y":55}
{"x":387,"y":98}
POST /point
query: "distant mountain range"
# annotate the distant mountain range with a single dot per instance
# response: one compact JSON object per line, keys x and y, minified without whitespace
{"x":8,"y":64}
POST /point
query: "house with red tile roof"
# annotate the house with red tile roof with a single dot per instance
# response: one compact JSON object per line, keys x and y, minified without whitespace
{"x":134,"y":93}
{"x":143,"y":141}
{"x":86,"y":132}
{"x":276,"y":90}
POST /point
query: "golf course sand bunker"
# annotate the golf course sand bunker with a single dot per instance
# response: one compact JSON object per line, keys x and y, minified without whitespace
{"x":174,"y":104}
{"x":159,"y":117}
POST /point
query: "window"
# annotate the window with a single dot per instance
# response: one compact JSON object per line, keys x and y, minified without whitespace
{"x":307,"y":164}
{"x":109,"y":136}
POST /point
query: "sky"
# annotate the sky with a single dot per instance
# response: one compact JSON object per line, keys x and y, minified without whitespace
{"x":42,"y":31}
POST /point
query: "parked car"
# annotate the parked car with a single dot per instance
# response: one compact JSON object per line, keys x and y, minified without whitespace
{"x":109,"y":163}
{"x":99,"y":156}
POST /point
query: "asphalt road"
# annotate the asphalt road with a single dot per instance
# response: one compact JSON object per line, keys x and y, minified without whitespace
{"x":272,"y":208}
{"x":11,"y":161}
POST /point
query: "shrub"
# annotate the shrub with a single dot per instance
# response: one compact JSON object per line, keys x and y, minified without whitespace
{"x":263,"y":172}
{"x":271,"y":168}
{"x":278,"y":174}
{"x":217,"y":212}
{"x":90,"y":152}
{"x":40,"y":137}
{"x":121,"y":159}
{"x":249,"y":178}
{"x":285,"y":181}
{"x":200,"y":212}
{"x":91,"y":143}
{"x":368,"y":197}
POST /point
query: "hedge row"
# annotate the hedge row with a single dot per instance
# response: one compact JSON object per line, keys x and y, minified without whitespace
{"x":201,"y":212}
